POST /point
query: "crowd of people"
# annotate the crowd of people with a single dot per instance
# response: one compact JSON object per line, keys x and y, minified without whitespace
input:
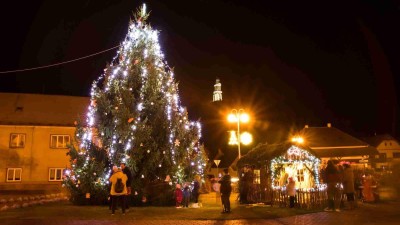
{"x":248,"y":191}
{"x":340,"y":180}
{"x":343,"y":183}
{"x":121,"y":190}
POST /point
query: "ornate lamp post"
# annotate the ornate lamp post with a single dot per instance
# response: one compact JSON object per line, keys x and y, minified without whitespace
{"x":238,"y":116}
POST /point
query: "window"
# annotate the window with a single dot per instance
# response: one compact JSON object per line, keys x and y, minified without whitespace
{"x":382,"y":155}
{"x":59,"y":141}
{"x":396,"y":154}
{"x":256,"y":177}
{"x":300,"y":175}
{"x":17,"y":140}
{"x":56,"y":174}
{"x":14,"y":174}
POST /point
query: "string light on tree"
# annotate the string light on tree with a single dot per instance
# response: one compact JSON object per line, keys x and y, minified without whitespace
{"x":135,"y":106}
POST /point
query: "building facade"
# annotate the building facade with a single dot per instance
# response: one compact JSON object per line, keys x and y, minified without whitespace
{"x":35,"y":131}
{"x":389,"y":151}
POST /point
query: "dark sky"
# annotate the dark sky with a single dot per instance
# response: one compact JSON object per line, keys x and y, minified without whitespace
{"x":290,"y":63}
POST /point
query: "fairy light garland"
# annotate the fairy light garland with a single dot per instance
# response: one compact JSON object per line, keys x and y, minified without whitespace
{"x":297,"y":156}
{"x":117,"y":78}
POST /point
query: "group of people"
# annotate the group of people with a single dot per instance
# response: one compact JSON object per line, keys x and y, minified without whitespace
{"x":339,"y":180}
{"x":182,"y":196}
{"x":120,"y":180}
{"x":334,"y":177}
{"x":246,"y":189}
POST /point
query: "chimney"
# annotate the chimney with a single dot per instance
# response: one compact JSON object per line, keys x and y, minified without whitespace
{"x":306,"y":126}
{"x":329,"y":125}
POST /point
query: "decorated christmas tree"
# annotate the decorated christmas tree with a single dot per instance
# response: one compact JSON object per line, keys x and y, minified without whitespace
{"x":135,"y":117}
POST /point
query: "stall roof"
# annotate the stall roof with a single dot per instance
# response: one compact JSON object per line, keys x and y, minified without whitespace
{"x":263,"y":152}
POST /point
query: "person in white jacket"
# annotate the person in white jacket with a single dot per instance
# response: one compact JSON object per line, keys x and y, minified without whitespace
{"x":291,"y":191}
{"x":118,"y":195}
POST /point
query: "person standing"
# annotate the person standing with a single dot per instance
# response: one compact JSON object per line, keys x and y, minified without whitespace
{"x":332,"y":181}
{"x":225,"y":190}
{"x":118,"y":189}
{"x":186,"y":195}
{"x":196,"y":190}
{"x":128,"y":174}
{"x":291,"y":191}
{"x":348,"y":185}
{"x":243,"y":185}
{"x":178,"y":196}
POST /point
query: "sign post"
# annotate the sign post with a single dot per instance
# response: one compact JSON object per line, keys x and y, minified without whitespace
{"x":217,"y":161}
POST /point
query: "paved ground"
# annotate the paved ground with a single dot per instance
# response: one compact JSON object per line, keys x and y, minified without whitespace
{"x":368,"y":214}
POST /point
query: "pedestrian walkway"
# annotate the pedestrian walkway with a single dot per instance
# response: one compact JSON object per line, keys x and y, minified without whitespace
{"x":65,"y":214}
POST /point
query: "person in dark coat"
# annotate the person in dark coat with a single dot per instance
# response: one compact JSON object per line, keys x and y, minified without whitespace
{"x":225,"y":191}
{"x":128,"y":174}
{"x":348,"y":185}
{"x":186,"y":195}
{"x":332,"y":179}
{"x":196,"y":189}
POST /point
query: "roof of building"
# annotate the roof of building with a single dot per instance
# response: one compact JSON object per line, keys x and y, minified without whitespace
{"x":319,"y":141}
{"x":378,"y":139}
{"x":332,"y":142}
{"x":41,"y":110}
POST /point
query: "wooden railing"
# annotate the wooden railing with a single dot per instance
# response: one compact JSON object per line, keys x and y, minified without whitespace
{"x":308,"y":199}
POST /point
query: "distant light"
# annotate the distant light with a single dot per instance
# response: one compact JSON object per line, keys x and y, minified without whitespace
{"x":244,"y":117}
{"x":232,"y":118}
{"x":298,"y":139}
{"x":234,"y":179}
{"x":246,"y":138}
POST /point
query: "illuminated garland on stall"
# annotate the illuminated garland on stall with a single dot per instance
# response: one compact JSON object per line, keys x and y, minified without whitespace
{"x":296,"y":156}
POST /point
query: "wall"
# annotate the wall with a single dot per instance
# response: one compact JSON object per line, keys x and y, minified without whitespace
{"x":35,"y":158}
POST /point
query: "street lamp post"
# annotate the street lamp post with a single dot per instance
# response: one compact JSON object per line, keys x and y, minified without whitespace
{"x":238,"y":116}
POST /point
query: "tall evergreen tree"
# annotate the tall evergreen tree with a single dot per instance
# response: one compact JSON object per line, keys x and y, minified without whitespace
{"x":135,"y":117}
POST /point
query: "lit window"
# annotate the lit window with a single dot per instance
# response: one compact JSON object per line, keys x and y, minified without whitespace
{"x":256,"y":177}
{"x":300,"y":175}
{"x":59,"y":141}
{"x":14,"y":174}
{"x":17,"y":140}
{"x":55,"y":174}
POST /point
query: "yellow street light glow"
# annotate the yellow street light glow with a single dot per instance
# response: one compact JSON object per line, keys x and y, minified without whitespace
{"x":244,"y":117}
{"x":298,"y":139}
{"x":246,"y":138}
{"x":232,"y":118}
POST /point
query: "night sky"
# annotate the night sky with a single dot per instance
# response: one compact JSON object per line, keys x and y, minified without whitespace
{"x":290,"y":63}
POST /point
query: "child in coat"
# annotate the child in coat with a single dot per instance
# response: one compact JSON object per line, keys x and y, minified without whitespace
{"x":178,"y":196}
{"x":186,"y":195}
{"x":291,"y":191}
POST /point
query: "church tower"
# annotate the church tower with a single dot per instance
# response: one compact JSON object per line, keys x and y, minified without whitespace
{"x":217,"y":95}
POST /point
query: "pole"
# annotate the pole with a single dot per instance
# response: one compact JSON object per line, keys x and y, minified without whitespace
{"x":238,"y":127}
{"x":217,"y":171}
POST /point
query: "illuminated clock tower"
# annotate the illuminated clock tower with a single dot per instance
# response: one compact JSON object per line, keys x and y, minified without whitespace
{"x":217,"y":95}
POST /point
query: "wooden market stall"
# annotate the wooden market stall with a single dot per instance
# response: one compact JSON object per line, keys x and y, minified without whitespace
{"x":276,"y":163}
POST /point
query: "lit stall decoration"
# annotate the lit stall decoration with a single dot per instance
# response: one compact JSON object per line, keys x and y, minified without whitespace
{"x":299,"y":164}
